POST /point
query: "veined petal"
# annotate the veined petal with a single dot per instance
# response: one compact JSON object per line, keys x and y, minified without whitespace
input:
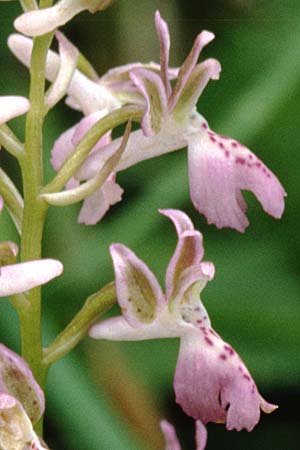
{"x":21,"y":277}
{"x":139,"y":294}
{"x":212,"y":383}
{"x":219,"y":168}
{"x":68,"y":63}
{"x":16,"y":378}
{"x":187,"y":67}
{"x":12,"y":106}
{"x":16,"y":432}
{"x":189,"y":250}
{"x":164,"y":40}
{"x":95,"y":206}
{"x":208,"y":70}
{"x":42,"y":21}
{"x":151,"y":86}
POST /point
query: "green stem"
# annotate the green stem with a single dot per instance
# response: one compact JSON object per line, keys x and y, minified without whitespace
{"x":94,"y":306}
{"x":10,"y":142}
{"x":12,"y":199}
{"x":76,"y":158}
{"x":34,"y":208}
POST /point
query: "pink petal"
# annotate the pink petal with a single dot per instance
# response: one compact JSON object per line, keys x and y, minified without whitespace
{"x":62,"y":148}
{"x":16,"y":378}
{"x":42,"y":21}
{"x":152,"y":88}
{"x":86,"y":94}
{"x":171,"y":439}
{"x":187,"y":100}
{"x":189,"y":250}
{"x":17,"y":278}
{"x":12,"y":106}
{"x":201,"y":435}
{"x":85,"y":124}
{"x":118,"y":329}
{"x":139,"y":294}
{"x":187,"y":67}
{"x":164,"y":40}
{"x":219,"y":168}
{"x":212,"y":383}
{"x":96,"y":205}
{"x":68,"y":63}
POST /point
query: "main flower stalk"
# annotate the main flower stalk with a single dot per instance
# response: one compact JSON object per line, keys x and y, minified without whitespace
{"x":34,"y":207}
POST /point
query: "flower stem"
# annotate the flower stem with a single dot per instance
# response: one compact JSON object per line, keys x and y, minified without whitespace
{"x":34,"y":208}
{"x":94,"y":306}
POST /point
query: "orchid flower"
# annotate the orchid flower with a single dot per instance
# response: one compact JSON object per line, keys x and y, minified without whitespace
{"x":211,"y":382}
{"x":171,"y":439}
{"x":21,"y":277}
{"x":219,"y":167}
{"x":42,"y":21}
{"x":22,"y":403}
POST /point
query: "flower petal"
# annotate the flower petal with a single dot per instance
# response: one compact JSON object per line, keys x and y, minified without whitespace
{"x":16,"y":378}
{"x":62,"y":148}
{"x":212,"y":383}
{"x":189,"y":250}
{"x":139,"y":294}
{"x":187,"y":67}
{"x":95,"y":206}
{"x":169,"y":432}
{"x":17,"y":278}
{"x":68,"y":63}
{"x":88,"y":95}
{"x":219,"y":168}
{"x":16,"y":432}
{"x":201,"y":435}
{"x":42,"y":21}
{"x":164,"y":40}
{"x":12,"y":106}
{"x":208,"y":70}
{"x":152,"y":88}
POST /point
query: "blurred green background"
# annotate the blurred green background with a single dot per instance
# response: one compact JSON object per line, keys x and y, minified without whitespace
{"x":110,"y":396}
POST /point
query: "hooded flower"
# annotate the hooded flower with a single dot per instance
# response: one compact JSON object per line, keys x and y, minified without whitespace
{"x":16,"y":278}
{"x":211,"y":382}
{"x":22,"y":403}
{"x":219,"y":167}
{"x":171,"y":439}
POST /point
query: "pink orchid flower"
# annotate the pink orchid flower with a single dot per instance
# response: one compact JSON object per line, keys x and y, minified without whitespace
{"x":211,"y":382}
{"x":171,"y":439}
{"x":219,"y":167}
{"x":22,"y":403}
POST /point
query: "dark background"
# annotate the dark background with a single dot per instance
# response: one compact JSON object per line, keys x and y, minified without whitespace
{"x":111,"y":396}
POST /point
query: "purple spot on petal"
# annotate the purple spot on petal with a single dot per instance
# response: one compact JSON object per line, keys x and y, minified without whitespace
{"x":234,"y":144}
{"x":246,"y":377}
{"x":229,"y":349}
{"x":227,"y":153}
{"x":250,"y":156}
{"x":209,"y":341}
{"x":204,"y":126}
{"x":222,"y":356}
{"x":199,"y":321}
{"x":258,"y":164}
{"x":221,"y":145}
{"x":212,"y":139}
{"x":240,"y":160}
